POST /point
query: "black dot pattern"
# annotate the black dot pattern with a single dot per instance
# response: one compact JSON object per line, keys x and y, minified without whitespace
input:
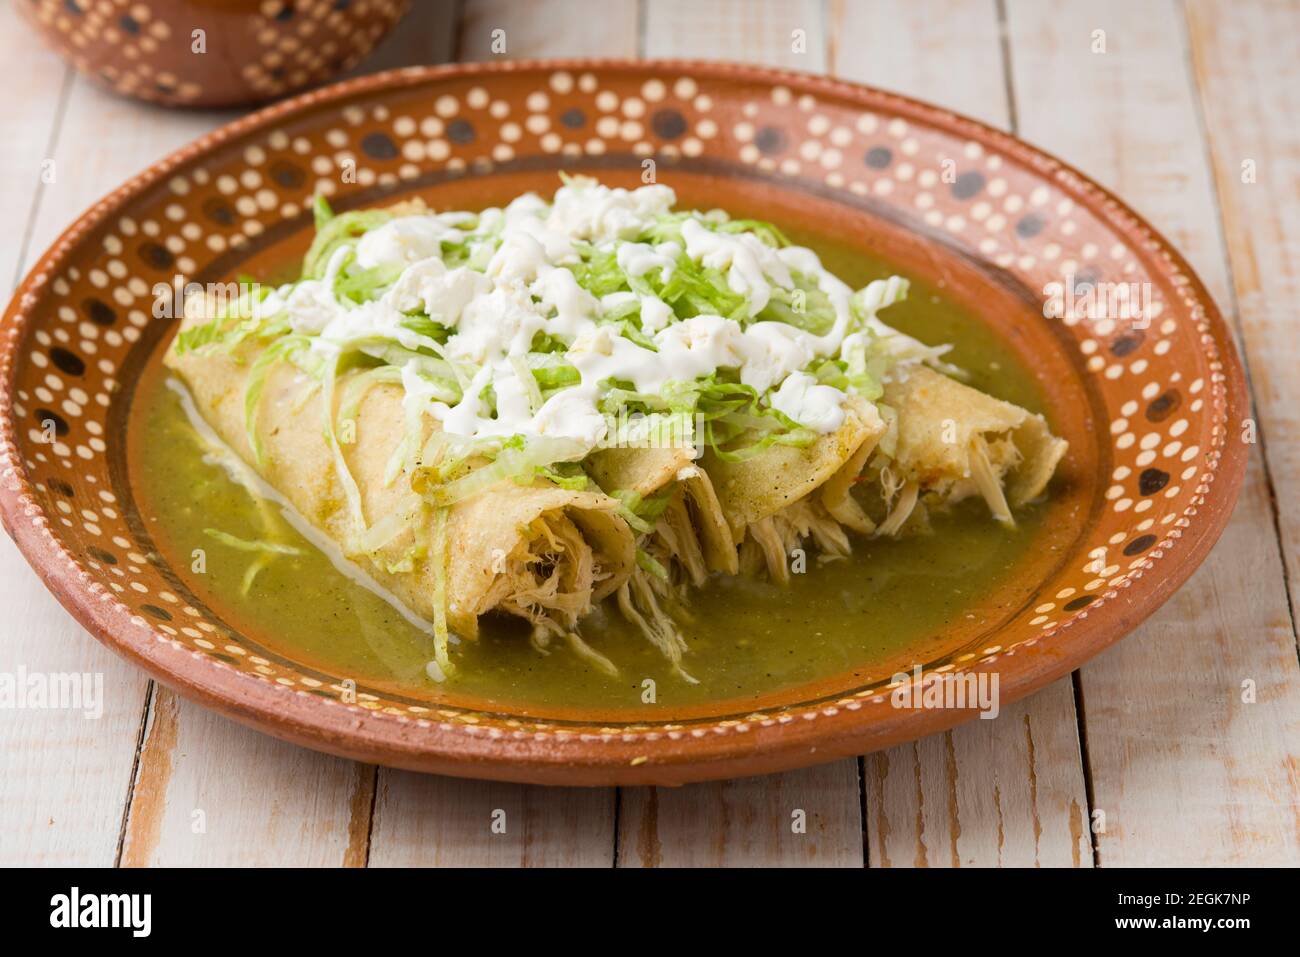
{"x":968,"y":184}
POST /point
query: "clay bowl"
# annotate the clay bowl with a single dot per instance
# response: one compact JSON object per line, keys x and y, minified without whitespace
{"x":212,"y":52}
{"x":1150,"y":407}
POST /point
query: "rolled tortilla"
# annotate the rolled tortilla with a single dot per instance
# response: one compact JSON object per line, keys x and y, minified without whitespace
{"x":540,"y":552}
{"x":693,"y":531}
{"x":952,"y":442}
{"x":786,"y":495}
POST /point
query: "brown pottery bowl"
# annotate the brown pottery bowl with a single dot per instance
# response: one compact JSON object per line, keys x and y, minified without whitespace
{"x":212,"y":52}
{"x":1152,"y":408}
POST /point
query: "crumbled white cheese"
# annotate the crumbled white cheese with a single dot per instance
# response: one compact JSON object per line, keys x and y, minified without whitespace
{"x":751,"y":265}
{"x":587,"y":210}
{"x":408,"y":239}
{"x":441,"y":292}
{"x":814,"y":406}
{"x":495,"y":315}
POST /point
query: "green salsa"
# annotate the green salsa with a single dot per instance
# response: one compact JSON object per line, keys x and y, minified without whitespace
{"x":748,"y":638}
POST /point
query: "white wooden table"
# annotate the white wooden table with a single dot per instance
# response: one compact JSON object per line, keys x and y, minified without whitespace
{"x":1148,"y":755}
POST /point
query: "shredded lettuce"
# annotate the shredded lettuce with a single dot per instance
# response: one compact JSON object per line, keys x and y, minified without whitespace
{"x":265,"y":552}
{"x":639,"y":512}
{"x":278,"y":351}
{"x":321,"y":211}
{"x":647,"y":562}
{"x":233,"y":325}
{"x":598,"y":271}
{"x":355,"y":391}
{"x":738,"y":421}
{"x":516,"y":459}
{"x":392,"y":525}
{"x":251,"y":545}
{"x":737,"y":425}
{"x":339,"y":230}
{"x":528,"y":382}
{"x":552,"y":374}
{"x":567,"y":475}
{"x":765,"y":231}
{"x":438,"y":558}
{"x":694,"y":289}
{"x":805,"y":306}
{"x":365,"y":285}
{"x":351,"y":491}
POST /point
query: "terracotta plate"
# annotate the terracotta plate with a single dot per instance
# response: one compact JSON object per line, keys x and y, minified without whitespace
{"x":1151,"y":407}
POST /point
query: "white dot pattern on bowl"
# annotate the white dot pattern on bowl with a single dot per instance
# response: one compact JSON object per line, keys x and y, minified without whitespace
{"x":1167,"y":434}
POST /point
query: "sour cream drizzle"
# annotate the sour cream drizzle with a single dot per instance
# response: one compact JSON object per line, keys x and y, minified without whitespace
{"x":525,"y":289}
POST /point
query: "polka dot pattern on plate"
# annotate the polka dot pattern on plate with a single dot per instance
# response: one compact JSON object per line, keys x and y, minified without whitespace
{"x":1159,"y":383}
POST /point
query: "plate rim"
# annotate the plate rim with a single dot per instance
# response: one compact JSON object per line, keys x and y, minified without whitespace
{"x":701,"y":751}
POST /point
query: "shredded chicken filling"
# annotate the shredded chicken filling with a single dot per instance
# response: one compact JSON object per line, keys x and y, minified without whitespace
{"x":549,"y":579}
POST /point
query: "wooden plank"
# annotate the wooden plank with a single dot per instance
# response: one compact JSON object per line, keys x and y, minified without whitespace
{"x":1184,"y":772}
{"x":427,"y":821}
{"x":30,"y":124}
{"x":803,"y":817}
{"x":1009,"y":791}
{"x":945,"y":51}
{"x":785,"y":33}
{"x":1247,"y":63}
{"x":214,"y":793}
{"x":506,"y":29}
{"x":421,"y":820}
{"x":64,"y":775}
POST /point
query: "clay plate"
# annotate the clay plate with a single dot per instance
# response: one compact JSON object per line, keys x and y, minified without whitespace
{"x":1151,"y":409}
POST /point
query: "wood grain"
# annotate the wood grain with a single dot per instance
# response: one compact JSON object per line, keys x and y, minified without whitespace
{"x":547,"y":28}
{"x":64,"y":777}
{"x":213,"y":793}
{"x":443,"y":821}
{"x":784,"y":33}
{"x":427,"y":821}
{"x":1247,"y":63}
{"x":945,"y":51}
{"x":1003,"y":792}
{"x":1008,"y":791}
{"x":31,"y":124}
{"x":1183,"y":771}
{"x":802,"y":818}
